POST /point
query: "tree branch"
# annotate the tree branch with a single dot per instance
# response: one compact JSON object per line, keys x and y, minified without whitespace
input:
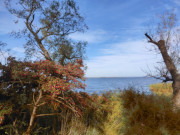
{"x":151,"y":40}
{"x":50,"y":114}
{"x":42,"y":104}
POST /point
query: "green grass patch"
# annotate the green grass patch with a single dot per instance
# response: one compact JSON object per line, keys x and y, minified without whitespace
{"x":115,"y":123}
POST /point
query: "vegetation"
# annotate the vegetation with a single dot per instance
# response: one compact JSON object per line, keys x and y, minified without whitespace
{"x":150,"y":115}
{"x":38,"y":98}
{"x":115,"y":123}
{"x":162,"y":89}
{"x":29,"y":87}
{"x":34,"y":85}
{"x":112,"y":113}
{"x":47,"y":28}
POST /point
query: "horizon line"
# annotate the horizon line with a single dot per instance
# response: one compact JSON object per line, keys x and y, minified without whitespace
{"x":116,"y":77}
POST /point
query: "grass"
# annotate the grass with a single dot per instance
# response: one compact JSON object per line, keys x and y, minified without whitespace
{"x":150,"y":114}
{"x":133,"y":113}
{"x":162,"y":89}
{"x":126,"y":113}
{"x":106,"y":119}
{"x":115,"y":123}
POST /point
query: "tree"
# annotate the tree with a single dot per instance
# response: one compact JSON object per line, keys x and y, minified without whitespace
{"x":166,"y":40}
{"x":34,"y":85}
{"x":47,"y":26}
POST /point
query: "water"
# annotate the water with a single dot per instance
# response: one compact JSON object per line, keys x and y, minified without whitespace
{"x":100,"y":85}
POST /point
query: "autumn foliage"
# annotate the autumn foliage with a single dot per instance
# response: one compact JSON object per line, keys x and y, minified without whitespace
{"x":56,"y":82}
{"x":52,"y":77}
{"x":4,"y":110}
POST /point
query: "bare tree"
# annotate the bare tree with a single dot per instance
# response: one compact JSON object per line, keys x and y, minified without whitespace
{"x":165,"y":38}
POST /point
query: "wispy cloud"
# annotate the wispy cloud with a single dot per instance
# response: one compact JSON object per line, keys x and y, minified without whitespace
{"x":128,"y":47}
{"x":18,"y":49}
{"x":122,"y":59}
{"x":95,"y":36}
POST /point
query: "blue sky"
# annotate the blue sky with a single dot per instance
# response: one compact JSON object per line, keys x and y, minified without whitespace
{"x":116,"y":43}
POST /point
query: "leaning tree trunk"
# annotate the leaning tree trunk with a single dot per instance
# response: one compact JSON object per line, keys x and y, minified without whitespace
{"x":176,"y":91}
{"x":33,"y":115}
{"x":170,"y":65}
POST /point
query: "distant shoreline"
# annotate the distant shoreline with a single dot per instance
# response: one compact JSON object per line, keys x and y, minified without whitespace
{"x":121,"y":77}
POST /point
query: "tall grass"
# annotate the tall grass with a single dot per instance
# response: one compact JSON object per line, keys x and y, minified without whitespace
{"x":129,"y":113}
{"x":162,"y":89}
{"x":120,"y":113}
{"x":105,"y":119}
{"x":150,"y":114}
{"x":115,"y":123}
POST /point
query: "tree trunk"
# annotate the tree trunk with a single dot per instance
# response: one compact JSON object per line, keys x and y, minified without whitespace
{"x":176,"y":92}
{"x":33,"y":115}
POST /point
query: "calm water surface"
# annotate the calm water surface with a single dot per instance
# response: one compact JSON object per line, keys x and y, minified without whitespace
{"x":100,"y":85}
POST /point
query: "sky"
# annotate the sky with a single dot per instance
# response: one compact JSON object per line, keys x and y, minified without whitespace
{"x":116,"y":45}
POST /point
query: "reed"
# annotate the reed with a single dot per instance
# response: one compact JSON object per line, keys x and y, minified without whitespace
{"x":162,"y":89}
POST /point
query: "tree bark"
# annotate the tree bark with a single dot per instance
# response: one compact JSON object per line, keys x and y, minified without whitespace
{"x":15,"y":128}
{"x":33,"y":115}
{"x":176,"y":92}
{"x":167,"y":59}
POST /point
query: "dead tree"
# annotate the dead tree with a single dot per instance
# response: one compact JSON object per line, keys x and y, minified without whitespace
{"x":166,"y":40}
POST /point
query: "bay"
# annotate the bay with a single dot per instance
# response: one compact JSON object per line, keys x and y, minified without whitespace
{"x":101,"y":85}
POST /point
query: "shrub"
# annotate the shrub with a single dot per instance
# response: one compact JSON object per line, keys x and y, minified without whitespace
{"x":150,"y":114}
{"x":93,"y":117}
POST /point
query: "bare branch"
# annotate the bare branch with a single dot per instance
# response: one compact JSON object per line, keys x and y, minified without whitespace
{"x":150,"y":39}
{"x":32,"y":20}
{"x":42,"y":104}
{"x":49,"y":114}
{"x":33,"y":99}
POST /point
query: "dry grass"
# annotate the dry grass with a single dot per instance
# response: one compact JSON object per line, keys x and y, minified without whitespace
{"x":106,"y":119}
{"x":150,"y":114}
{"x":131,"y":113}
{"x":162,"y":89}
{"x":115,"y":123}
{"x":128,"y":113}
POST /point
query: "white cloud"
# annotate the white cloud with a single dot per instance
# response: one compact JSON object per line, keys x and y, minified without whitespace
{"x":122,"y":59}
{"x":95,"y":36}
{"x":18,"y":49}
{"x":127,"y":47}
